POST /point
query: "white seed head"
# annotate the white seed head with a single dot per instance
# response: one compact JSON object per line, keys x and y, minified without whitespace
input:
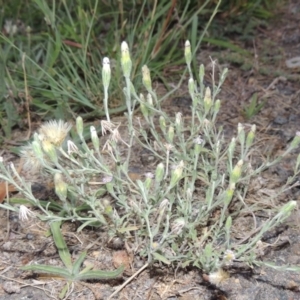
{"x":107,"y":126}
{"x":178,"y":225}
{"x":25,"y":213}
{"x":55,"y":131}
{"x":30,"y":160}
{"x":218,"y":277}
{"x":72,"y":148}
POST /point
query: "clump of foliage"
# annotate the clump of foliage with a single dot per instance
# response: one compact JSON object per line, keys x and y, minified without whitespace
{"x":50,"y":51}
{"x":182,"y":212}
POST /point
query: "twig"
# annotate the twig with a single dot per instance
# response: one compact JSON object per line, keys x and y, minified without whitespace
{"x":128,"y":280}
{"x":7,"y":213}
{"x":26,"y":97}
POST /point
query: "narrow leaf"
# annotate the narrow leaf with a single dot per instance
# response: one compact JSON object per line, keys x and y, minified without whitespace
{"x":99,"y":274}
{"x":61,"y":245}
{"x":161,"y":258}
{"x":77,"y":264}
{"x":44,"y":269}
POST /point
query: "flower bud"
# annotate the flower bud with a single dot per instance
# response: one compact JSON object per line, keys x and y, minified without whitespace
{"x":187,"y":53}
{"x":126,"y":62}
{"x":296,"y":141}
{"x":163,"y":205}
{"x":231,"y":148}
{"x":201,"y":73}
{"x":250,"y":136}
{"x":162,"y":123}
{"x":241,"y":134}
{"x":236,"y":172}
{"x":217,"y":106}
{"x":223,"y":75}
{"x":176,"y":175}
{"x":178,"y":122}
{"x":95,"y":138}
{"x":171,"y":134}
{"x":106,"y":73}
{"x":146,"y":78}
{"x":144,"y":110}
{"x":61,"y":188}
{"x":79,"y":126}
{"x":191,"y":86}
{"x":177,"y":225}
{"x":199,"y":142}
{"x":207,"y":100}
{"x":229,"y":194}
{"x":147,"y":183}
{"x":50,"y":150}
{"x":286,"y":210}
{"x":149,"y":99}
{"x":159,"y":173}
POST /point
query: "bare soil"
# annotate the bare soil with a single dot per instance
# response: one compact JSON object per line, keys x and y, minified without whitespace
{"x":275,"y":83}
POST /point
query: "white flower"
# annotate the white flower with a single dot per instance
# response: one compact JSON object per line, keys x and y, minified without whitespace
{"x":149,"y":175}
{"x":25,"y":213}
{"x":228,"y":257}
{"x":55,"y":131}
{"x":198,"y":140}
{"x":178,"y":118}
{"x":165,"y":203}
{"x":106,"y":179}
{"x":178,"y":225}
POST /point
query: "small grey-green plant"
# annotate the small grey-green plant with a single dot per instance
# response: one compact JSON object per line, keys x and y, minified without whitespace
{"x":253,"y":108}
{"x":70,"y":271}
{"x":184,"y":207}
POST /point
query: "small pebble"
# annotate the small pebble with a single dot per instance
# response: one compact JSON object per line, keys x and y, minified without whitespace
{"x":280,"y":120}
{"x":29,"y":236}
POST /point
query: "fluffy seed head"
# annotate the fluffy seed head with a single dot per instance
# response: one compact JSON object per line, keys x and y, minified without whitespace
{"x":31,"y":162}
{"x":55,"y":131}
{"x":218,"y":277}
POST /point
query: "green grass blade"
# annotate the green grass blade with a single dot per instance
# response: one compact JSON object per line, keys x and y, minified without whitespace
{"x":227,"y":45}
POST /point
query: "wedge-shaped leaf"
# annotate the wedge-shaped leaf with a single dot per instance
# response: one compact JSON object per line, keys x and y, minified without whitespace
{"x":161,"y":258}
{"x":77,"y":264}
{"x":99,"y":274}
{"x":61,"y":245}
{"x":56,"y":271}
